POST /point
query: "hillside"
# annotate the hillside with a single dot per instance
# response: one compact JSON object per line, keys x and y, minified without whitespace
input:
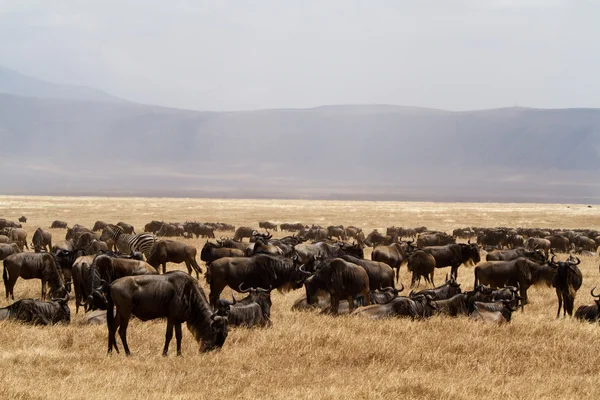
{"x":59,"y":146}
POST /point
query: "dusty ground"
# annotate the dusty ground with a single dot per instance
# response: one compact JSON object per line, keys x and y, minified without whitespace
{"x":306,"y":355}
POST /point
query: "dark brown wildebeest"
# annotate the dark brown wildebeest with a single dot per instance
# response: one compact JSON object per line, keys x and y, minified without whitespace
{"x":5,"y":239}
{"x":559,"y":243}
{"x":492,"y":237}
{"x":434,"y":239}
{"x":267,"y":225}
{"x":447,"y":290}
{"x":263,"y":246}
{"x":352,"y":232}
{"x":589,"y":313}
{"x":249,"y":312}
{"x":175,"y":296}
{"x":33,"y":266}
{"x":99,"y":225}
{"x":484,"y":294}
{"x":38,"y":312}
{"x":421,"y":264}
{"x":95,"y":247}
{"x":64,"y":251}
{"x":4,"y":223}
{"x":84,"y":239}
{"x":380,"y":274}
{"x":261,"y":270}
{"x":17,"y":235}
{"x":454,"y":255}
{"x":521,"y":272}
{"x":463,"y":233}
{"x":167,"y":230}
{"x":80,"y":275}
{"x":375,"y":239}
{"x":127,"y":228}
{"x":295,"y":227}
{"x":507,"y":255}
{"x":41,"y":240}
{"x":585,"y":243}
{"x":233,"y":244}
{"x":307,"y":252}
{"x":393,"y":255}
{"x":106,"y":269}
{"x":420,"y":306}
{"x":7,"y":249}
{"x":567,"y":281}
{"x":514,"y":241}
{"x":336,"y":231}
{"x":533,"y":243}
{"x":23,"y":219}
{"x":454,"y":306}
{"x":77,"y":231}
{"x":243,"y":232}
{"x":153,"y":226}
{"x":165,"y":251}
{"x":211,"y":252}
{"x":58,"y":225}
{"x":342,"y":280}
{"x":498,"y":313}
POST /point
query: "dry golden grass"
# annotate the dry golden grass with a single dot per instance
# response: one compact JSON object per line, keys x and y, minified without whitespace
{"x":306,"y":355}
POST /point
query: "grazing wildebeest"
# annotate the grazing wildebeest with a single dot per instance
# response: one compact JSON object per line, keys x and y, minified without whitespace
{"x":38,"y":312}
{"x":342,"y":280}
{"x":261,"y":270}
{"x":507,"y":255}
{"x":589,"y":313}
{"x":393,"y":255}
{"x":380,"y":274}
{"x":127,"y":228}
{"x":176,"y":252}
{"x":533,"y":243}
{"x":33,"y":266}
{"x":521,"y":271}
{"x":23,"y":219}
{"x":484,"y":294}
{"x":41,"y":240}
{"x":243,"y":232}
{"x":58,"y":225}
{"x":267,"y":225}
{"x":99,"y":225}
{"x":7,"y":249}
{"x":492,"y":237}
{"x":498,"y":313}
{"x":211,"y":252}
{"x":18,"y":236}
{"x":454,"y":255}
{"x":567,"y":281}
{"x":175,"y":296}
{"x":421,"y":264}
{"x":416,"y":307}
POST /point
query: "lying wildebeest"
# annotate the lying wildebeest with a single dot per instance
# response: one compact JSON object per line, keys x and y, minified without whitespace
{"x":261,"y":270}
{"x":211,"y":252}
{"x":498,"y":313}
{"x":484,"y":294}
{"x":106,"y":269}
{"x":38,"y":312}
{"x":33,"y":266}
{"x":99,"y":225}
{"x":176,"y":252}
{"x":175,"y":296}
{"x":589,"y":313}
{"x":18,"y":236}
{"x":243,"y":232}
{"x":454,"y":255}
{"x":454,"y":306}
{"x":8,"y":249}
{"x":380,"y":274}
{"x":342,"y":280}
{"x":267,"y":225}
{"x":58,"y":225}
{"x":416,"y":307}
{"x":567,"y":281}
{"x":447,"y":290}
{"x":507,"y":255}
{"x":97,"y":317}
{"x":521,"y":271}
{"x":322,"y":300}
{"x":41,"y":240}
{"x":127,"y":228}
{"x":253,"y":310}
{"x":393,"y":255}
{"x":421,"y":264}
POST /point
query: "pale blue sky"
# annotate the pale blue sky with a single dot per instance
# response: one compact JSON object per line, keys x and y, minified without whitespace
{"x":231,"y":55}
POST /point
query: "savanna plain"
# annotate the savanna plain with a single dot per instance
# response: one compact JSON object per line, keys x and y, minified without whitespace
{"x":306,"y":355}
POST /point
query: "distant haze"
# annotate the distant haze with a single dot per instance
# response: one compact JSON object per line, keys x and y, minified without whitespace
{"x":217,"y":55}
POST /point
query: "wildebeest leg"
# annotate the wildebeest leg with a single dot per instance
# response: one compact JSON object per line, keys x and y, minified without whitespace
{"x":413,"y":280}
{"x":569,"y":303}
{"x":215,"y":292}
{"x":189,"y":267}
{"x":43,"y":289}
{"x":351,"y":305}
{"x":454,"y":271}
{"x":112,"y":330}
{"x":335,"y":304}
{"x":124,"y":321}
{"x":164,"y":267}
{"x":560,"y":300}
{"x":168,"y":337}
{"x":178,"y":338}
{"x":431,"y":278}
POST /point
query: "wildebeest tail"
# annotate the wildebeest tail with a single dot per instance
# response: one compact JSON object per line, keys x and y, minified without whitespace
{"x":196,"y":266}
{"x":207,"y":275}
{"x":5,"y":279}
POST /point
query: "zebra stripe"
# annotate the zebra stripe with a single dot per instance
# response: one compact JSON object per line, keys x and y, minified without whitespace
{"x":126,"y":243}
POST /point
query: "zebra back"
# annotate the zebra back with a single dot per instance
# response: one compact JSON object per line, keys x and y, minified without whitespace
{"x":127,"y":243}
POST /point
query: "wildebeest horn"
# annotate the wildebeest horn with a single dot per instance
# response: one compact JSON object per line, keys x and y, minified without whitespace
{"x":254,"y":232}
{"x":259,"y":289}
{"x":301,"y":269}
{"x":399,"y":291}
{"x":243,"y":290}
{"x":446,"y":278}
{"x":234,"y":300}
{"x":592,"y":292}
{"x":577,"y":263}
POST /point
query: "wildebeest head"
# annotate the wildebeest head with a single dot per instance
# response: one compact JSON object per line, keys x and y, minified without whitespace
{"x":219,"y":328}
{"x":260,"y":296}
{"x":223,"y":306}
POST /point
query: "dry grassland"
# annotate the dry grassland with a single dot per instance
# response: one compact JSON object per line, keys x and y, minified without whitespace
{"x":306,"y":355}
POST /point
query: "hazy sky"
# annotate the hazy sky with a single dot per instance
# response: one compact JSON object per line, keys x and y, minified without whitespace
{"x":230,"y":55}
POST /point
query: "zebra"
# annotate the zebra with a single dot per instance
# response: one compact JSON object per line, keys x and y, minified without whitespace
{"x":126,"y":243}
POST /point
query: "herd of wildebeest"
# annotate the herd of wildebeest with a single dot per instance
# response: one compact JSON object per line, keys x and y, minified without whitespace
{"x":114,"y":273}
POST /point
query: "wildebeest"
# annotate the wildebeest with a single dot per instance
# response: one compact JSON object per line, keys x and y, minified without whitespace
{"x":18,"y":236}
{"x":454,"y":255}
{"x":342,"y":280}
{"x":153,"y":226}
{"x":336,"y":231}
{"x":33,"y":266}
{"x":99,"y":225}
{"x":533,"y":243}
{"x":261,"y":270}
{"x":176,"y":252}
{"x":41,"y":240}
{"x":58,"y":225}
{"x":198,"y":229}
{"x":295,"y":227}
{"x":38,"y":312}
{"x":507,"y":255}
{"x":380,"y":274}
{"x":567,"y":280}
{"x":375,"y":239}
{"x":168,"y":230}
{"x":175,"y":296}
{"x":434,"y":239}
{"x":492,"y":237}
{"x":352,"y":232}
{"x":251,"y":311}
{"x":6,"y":249}
{"x":393,"y":255}
{"x":454,"y":306}
{"x":23,"y":219}
{"x":4,"y":223}
{"x":559,"y":243}
{"x":498,"y":313}
{"x":307,"y":252}
{"x":421,"y":264}
{"x":127,"y":228}
{"x":420,"y":306}
{"x":589,"y":313}
{"x":267,"y":225}
{"x":80,"y":275}
{"x":243,"y":232}
{"x":521,"y":271}
{"x":211,"y":252}
{"x":447,"y":290}
{"x":5,"y":239}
